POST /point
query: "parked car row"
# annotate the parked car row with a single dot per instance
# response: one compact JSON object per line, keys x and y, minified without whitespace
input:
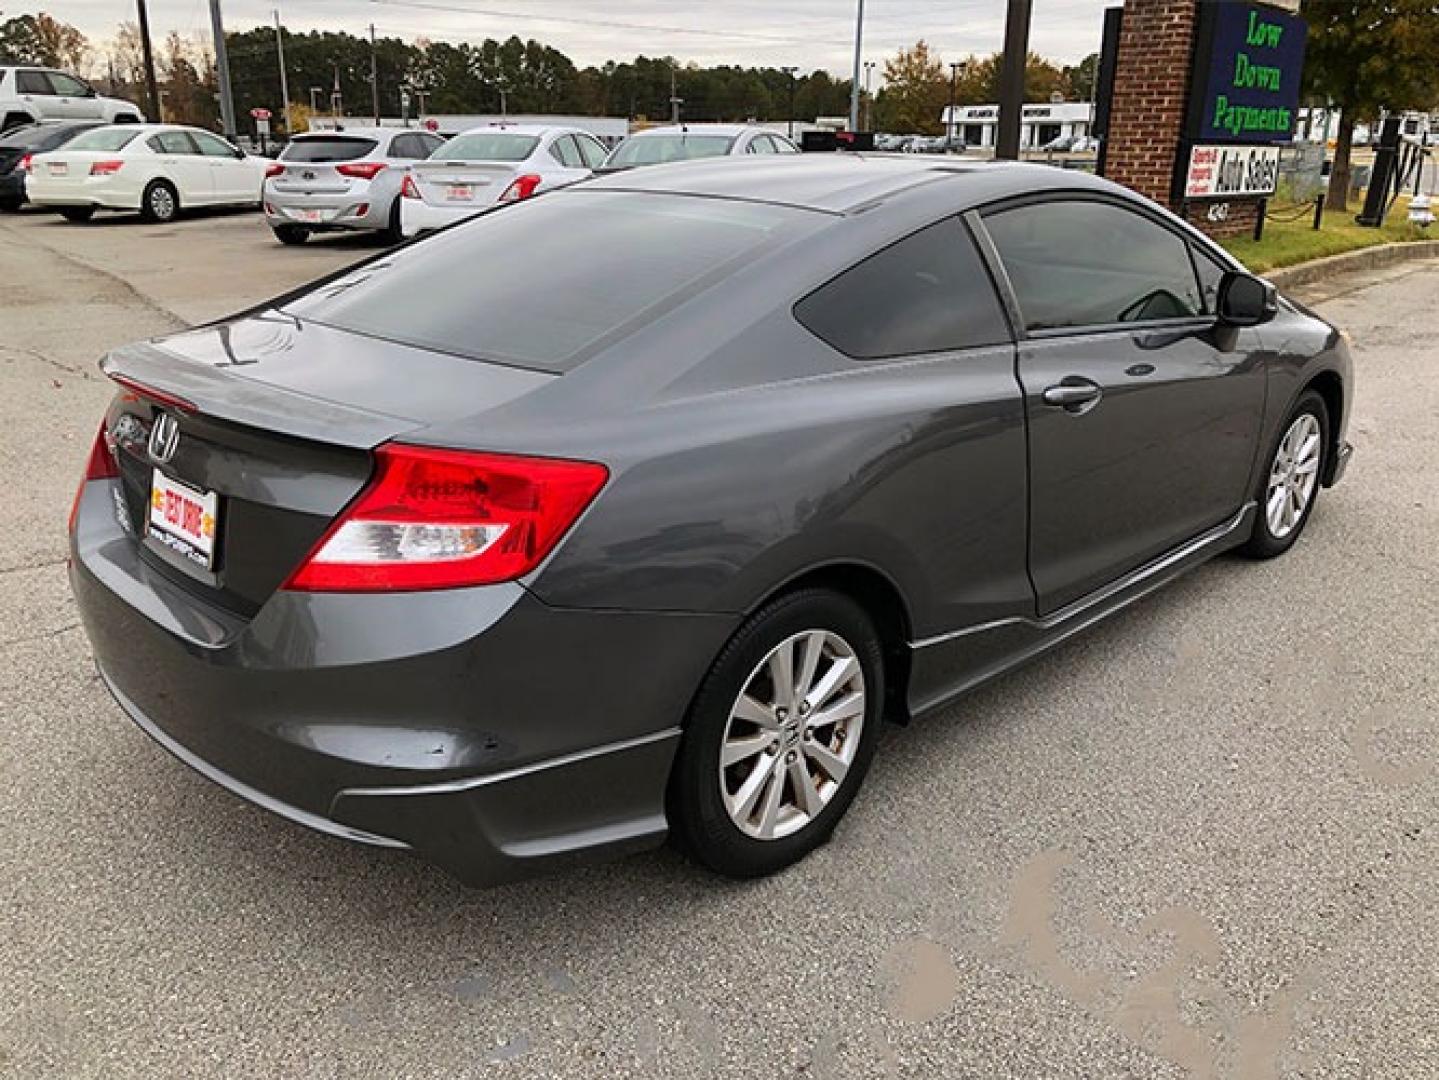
{"x":398,"y":182}
{"x":920,"y":144}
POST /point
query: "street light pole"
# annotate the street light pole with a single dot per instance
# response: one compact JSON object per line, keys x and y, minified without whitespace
{"x":868,"y":97}
{"x":1011,"y":79}
{"x":954,"y":67}
{"x":284,"y":79}
{"x":854,"y":80}
{"x":151,"y":87}
{"x":790,"y":72}
{"x":222,"y":69}
{"x":374,"y":78}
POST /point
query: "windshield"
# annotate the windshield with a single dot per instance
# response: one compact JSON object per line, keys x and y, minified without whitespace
{"x":487,"y":146}
{"x":507,"y":286}
{"x":327,"y":148}
{"x":104,"y":140}
{"x":658,"y":149}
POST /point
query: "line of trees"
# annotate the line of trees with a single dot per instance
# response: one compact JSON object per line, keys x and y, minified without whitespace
{"x":517,"y":75}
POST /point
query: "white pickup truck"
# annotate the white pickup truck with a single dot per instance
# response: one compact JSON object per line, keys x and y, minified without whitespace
{"x":28,"y":94}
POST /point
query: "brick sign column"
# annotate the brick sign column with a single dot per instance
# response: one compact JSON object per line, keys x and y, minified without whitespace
{"x":1203,"y":90}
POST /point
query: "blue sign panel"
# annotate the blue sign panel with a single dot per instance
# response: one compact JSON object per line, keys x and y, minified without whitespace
{"x":1246,"y":74}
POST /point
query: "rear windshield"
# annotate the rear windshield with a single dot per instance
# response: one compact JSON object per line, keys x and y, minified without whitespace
{"x":33,"y":135}
{"x":104,"y":139}
{"x":540,"y":283}
{"x":328,"y":148}
{"x":657,"y":149}
{"x":487,"y":146}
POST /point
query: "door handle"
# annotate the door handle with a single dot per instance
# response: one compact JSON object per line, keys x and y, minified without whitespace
{"x":1074,"y":394}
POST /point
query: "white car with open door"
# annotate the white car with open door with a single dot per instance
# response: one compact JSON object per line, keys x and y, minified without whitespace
{"x":157,"y":169}
{"x":494,"y":164}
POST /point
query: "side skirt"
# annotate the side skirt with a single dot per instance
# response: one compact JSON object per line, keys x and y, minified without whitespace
{"x":948,"y":665}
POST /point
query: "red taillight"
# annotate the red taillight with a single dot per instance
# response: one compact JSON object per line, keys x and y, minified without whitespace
{"x":273,"y":170}
{"x":522,"y":188}
{"x":25,"y":163}
{"x":364,"y":170}
{"x":408,"y":190}
{"x":100,"y":465}
{"x":106,"y":168}
{"x":440,"y":519}
{"x":159,"y":397}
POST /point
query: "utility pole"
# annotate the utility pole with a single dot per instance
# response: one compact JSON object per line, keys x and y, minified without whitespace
{"x":868,"y":98}
{"x":790,"y":72}
{"x":222,"y":69}
{"x":152,"y":89}
{"x":374,"y":78}
{"x":284,"y":79}
{"x":337,"y":103}
{"x":1011,"y":79}
{"x":854,"y":80}
{"x":954,"y":67}
{"x":675,"y":100}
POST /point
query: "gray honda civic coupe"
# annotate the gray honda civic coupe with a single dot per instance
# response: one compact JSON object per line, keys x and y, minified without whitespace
{"x":633,"y":510}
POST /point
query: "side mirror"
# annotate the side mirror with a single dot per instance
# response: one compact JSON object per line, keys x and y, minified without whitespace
{"x":1245,"y":300}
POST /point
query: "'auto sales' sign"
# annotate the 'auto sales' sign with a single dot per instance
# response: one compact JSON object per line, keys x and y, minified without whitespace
{"x":1231,"y":172}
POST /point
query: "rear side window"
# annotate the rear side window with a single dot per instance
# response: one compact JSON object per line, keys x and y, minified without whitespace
{"x":413,"y":147}
{"x":32,"y":82}
{"x":658,"y":149}
{"x":507,"y":286}
{"x":1076,"y":263}
{"x":567,"y":153}
{"x":928,"y":293}
{"x":592,"y":150}
{"x":172,"y":142}
{"x":321,"y":148}
{"x":106,"y":140}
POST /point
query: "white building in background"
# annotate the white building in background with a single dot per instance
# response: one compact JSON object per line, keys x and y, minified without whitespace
{"x":978,"y":125}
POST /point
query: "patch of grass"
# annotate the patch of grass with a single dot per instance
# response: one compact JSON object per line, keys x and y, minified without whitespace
{"x":1288,"y":242}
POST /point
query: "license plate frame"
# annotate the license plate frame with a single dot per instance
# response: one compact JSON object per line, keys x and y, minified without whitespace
{"x":59,"y":168}
{"x":461,"y":193}
{"x":184,"y":519}
{"x":310,"y":216}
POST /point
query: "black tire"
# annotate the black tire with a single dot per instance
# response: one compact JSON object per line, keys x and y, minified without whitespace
{"x":9,"y":206}
{"x":291,"y":234}
{"x":393,"y":233}
{"x":77,"y":214}
{"x":700,"y":821}
{"x":155,"y":207}
{"x":1263,"y":543}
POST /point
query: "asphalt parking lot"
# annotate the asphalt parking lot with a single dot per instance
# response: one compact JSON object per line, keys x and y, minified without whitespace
{"x":1200,"y":841}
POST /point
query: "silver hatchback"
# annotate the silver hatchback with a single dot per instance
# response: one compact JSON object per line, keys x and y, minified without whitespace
{"x":347,"y":179}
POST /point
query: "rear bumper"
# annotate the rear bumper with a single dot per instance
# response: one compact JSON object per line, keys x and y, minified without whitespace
{"x":101,"y":192}
{"x":491,"y":734}
{"x":336,"y":212}
{"x":12,"y":187}
{"x":417,"y":216}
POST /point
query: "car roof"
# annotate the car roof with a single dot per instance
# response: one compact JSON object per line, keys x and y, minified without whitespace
{"x":379,"y":133}
{"x":523,"y":129}
{"x":842,"y":182}
{"x":698,"y":129}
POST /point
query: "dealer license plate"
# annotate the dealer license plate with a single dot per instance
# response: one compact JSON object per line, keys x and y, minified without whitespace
{"x":184,"y":519}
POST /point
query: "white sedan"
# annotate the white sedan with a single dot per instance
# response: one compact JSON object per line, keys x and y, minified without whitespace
{"x":494,"y":164}
{"x":157,"y":169}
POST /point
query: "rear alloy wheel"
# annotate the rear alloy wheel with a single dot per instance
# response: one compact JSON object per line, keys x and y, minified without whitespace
{"x":291,"y":234}
{"x":160,"y":203}
{"x":781,"y":735}
{"x":1289,"y":486}
{"x":77,"y":214}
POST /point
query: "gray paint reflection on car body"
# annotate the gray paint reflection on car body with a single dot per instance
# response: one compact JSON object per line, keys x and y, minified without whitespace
{"x":744,"y":454}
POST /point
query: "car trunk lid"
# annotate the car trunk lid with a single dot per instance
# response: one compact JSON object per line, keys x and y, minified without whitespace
{"x":464,"y":183}
{"x":272,"y":421}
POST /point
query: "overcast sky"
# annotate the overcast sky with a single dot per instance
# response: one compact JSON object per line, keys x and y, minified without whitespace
{"x":807,"y":33}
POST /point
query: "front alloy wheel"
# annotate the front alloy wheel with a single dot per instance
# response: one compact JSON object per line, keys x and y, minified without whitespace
{"x":780,"y":735}
{"x":1290,"y":486}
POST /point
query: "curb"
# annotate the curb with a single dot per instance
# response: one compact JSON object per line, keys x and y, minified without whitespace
{"x":1287,"y":277}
